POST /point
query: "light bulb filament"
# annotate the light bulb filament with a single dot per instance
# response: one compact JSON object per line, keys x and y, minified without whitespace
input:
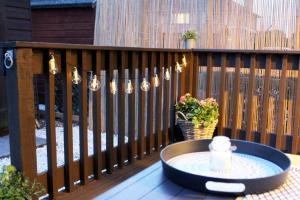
{"x":178,"y":67}
{"x":52,"y":65}
{"x":76,"y":77}
{"x":145,"y":86}
{"x":129,"y":88}
{"x":156,"y":81}
{"x":167,"y":74}
{"x":113,"y":87}
{"x":184,"y":63}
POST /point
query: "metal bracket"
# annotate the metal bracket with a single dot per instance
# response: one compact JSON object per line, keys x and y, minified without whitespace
{"x":9,"y":59}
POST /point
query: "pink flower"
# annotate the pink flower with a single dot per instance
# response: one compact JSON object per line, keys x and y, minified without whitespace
{"x":182,"y":99}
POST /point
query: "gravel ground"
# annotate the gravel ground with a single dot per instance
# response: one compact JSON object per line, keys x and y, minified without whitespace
{"x":41,"y":152}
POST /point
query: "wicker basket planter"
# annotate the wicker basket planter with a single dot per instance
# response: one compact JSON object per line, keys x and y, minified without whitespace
{"x":192,"y":132}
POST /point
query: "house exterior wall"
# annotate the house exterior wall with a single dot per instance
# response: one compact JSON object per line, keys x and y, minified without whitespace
{"x":63,"y":25}
{"x":15,"y":24}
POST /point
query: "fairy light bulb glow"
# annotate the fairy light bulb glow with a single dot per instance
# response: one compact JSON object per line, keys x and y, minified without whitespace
{"x":94,"y":84}
{"x":178,"y":68}
{"x":52,"y":65}
{"x":76,"y":78}
{"x":156,"y":81}
{"x":184,"y":63}
{"x":167,"y":74}
{"x":129,"y":88}
{"x":113,"y":87}
{"x":145,"y":85}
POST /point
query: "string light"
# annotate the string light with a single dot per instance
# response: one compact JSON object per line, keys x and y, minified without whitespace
{"x":145,"y":85}
{"x":156,"y":81}
{"x":129,"y":89}
{"x":94,"y":83}
{"x":178,"y":68}
{"x":167,"y":74}
{"x":76,"y":78}
{"x":184,"y":63}
{"x":52,"y":65}
{"x":113,"y":87}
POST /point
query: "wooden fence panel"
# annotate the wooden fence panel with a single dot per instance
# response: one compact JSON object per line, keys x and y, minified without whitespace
{"x":121,"y":108}
{"x":50,"y":129}
{"x":150,"y":97}
{"x":281,"y":112}
{"x":266,"y":95}
{"x":131,"y":112}
{"x":234,"y":130}
{"x":142,"y":106}
{"x":222,"y":104}
{"x":112,"y":58}
{"x":249,"y":130}
{"x":295,"y":129}
{"x":99,"y":65}
{"x":68,"y":63}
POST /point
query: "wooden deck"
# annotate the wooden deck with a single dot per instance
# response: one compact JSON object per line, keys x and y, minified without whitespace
{"x":151,"y":184}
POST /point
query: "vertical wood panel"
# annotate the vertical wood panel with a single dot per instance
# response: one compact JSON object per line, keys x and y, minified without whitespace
{"x":109,"y":113}
{"x":280,"y":144}
{"x":142,"y":108}
{"x":173,"y":87}
{"x":236,"y":95}
{"x":83,"y":140}
{"x":190,"y":66}
{"x":209,"y":75}
{"x":221,"y":120}
{"x":150,"y":121}
{"x":50,"y":128}
{"x":158,"y":138}
{"x":183,"y":79}
{"x":21,"y":113}
{"x":131,"y":111}
{"x":196,"y":61}
{"x":121,"y":108}
{"x":266,"y":95}
{"x":69,"y":61}
{"x":295,"y":129}
{"x":97,"y":118}
{"x":249,"y":129}
{"x":166,"y":104}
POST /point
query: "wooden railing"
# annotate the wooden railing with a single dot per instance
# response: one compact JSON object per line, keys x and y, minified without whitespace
{"x":149,"y":114}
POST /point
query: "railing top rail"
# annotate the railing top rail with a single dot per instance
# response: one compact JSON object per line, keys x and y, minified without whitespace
{"x":45,"y":45}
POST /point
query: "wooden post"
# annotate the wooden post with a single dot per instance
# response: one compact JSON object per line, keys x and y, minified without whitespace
{"x":21,"y":113}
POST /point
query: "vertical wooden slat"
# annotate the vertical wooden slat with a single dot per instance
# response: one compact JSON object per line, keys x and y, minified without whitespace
{"x":109,"y":113}
{"x":142,"y":108}
{"x":173,"y":85}
{"x":191,"y":71}
{"x":97,"y":118}
{"x":183,"y":80}
{"x":68,"y":61}
{"x":21,"y":113}
{"x":131,"y":112}
{"x":121,"y":108}
{"x":179,"y":77}
{"x":83,"y":140}
{"x":150,"y":97}
{"x":50,"y":128}
{"x":209,"y":75}
{"x":166,"y":105}
{"x":265,"y":108}
{"x":158,"y":137}
{"x":295,"y":127}
{"x":196,"y":61}
{"x":236,"y":110}
{"x":249,"y":129}
{"x":221,"y":120}
{"x":280,"y":144}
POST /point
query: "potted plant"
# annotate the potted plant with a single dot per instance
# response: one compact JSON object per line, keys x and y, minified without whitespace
{"x":14,"y":185}
{"x":189,"y":37}
{"x":197,"y":119}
